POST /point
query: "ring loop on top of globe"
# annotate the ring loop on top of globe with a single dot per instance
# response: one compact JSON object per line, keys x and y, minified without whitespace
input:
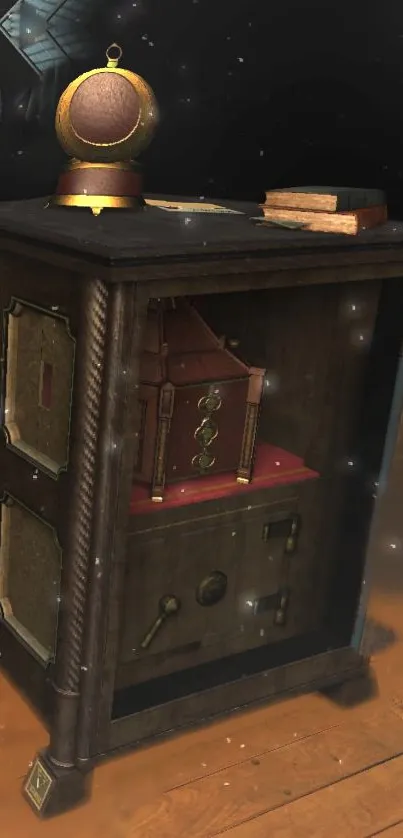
{"x":106,"y":115}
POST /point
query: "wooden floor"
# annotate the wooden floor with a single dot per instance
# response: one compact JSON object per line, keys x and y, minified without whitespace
{"x":306,"y":767}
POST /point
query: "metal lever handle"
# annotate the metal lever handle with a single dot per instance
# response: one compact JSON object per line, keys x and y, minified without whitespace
{"x":167,"y":606}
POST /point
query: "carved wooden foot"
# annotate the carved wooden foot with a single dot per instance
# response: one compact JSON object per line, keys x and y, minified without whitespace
{"x":52,"y":789}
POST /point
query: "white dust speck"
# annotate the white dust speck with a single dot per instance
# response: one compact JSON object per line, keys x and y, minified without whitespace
{"x":228,"y":740}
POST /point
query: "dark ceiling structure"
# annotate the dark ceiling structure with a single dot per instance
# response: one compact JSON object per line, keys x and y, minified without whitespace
{"x":46,"y":33}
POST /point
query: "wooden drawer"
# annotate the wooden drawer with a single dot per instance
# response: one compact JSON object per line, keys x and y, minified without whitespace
{"x":243,"y":579}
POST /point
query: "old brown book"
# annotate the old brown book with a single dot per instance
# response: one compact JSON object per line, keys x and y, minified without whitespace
{"x":329,"y":222}
{"x":325,"y":198}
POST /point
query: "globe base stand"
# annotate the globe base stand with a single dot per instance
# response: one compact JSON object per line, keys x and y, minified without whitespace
{"x":99,"y":186}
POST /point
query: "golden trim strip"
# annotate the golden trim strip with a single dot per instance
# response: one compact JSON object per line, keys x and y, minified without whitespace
{"x":96,"y":203}
{"x":256,"y":480}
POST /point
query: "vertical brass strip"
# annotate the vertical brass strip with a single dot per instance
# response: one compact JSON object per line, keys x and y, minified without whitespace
{"x":256,"y":378}
{"x":164,"y":424}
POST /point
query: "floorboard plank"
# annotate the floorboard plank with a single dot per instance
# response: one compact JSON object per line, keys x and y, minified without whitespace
{"x":363,"y":806}
{"x":395,"y":831}
{"x":235,"y":795}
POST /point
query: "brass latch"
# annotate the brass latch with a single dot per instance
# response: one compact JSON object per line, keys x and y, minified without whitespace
{"x":287,"y":528}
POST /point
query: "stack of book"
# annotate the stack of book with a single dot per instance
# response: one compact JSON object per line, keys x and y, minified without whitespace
{"x":326,"y":209}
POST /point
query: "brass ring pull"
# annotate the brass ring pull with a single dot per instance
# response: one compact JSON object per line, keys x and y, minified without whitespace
{"x":113,"y":60}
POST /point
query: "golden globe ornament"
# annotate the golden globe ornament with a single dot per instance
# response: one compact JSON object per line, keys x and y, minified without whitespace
{"x":104,"y":119}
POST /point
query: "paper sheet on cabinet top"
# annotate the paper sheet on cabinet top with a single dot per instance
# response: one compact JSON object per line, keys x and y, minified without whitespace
{"x":186,"y":206}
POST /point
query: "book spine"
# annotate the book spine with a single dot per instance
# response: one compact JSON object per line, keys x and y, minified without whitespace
{"x":338,"y":202}
{"x":349,"y":223}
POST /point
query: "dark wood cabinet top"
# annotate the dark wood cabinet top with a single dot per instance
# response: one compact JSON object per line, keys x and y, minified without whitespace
{"x":153,"y":238}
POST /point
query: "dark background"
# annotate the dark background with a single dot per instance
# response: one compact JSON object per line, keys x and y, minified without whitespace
{"x":253,"y":95}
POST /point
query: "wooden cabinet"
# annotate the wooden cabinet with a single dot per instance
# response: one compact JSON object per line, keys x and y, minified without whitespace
{"x":121,"y":617}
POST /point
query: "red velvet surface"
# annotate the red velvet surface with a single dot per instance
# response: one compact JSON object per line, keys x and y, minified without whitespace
{"x":273,"y":467}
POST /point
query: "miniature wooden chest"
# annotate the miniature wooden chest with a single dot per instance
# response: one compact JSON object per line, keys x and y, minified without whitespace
{"x":199,"y":404}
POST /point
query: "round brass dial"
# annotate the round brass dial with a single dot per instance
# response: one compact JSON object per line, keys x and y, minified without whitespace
{"x":212,"y":588}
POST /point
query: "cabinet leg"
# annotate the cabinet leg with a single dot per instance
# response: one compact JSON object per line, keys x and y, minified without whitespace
{"x":354,"y":690}
{"x":52,"y":789}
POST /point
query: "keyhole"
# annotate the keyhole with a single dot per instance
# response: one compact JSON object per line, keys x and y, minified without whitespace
{"x":46,"y":385}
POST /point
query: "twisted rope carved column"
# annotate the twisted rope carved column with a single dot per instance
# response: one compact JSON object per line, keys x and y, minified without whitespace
{"x":88,"y":388}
